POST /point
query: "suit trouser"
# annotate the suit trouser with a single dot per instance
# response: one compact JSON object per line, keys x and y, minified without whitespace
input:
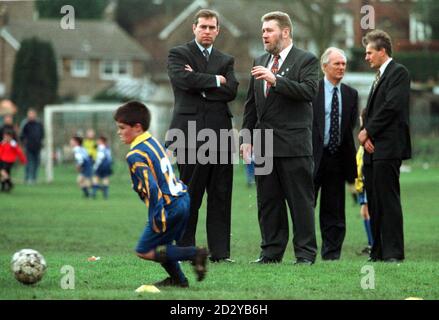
{"x":330,"y":182}
{"x":33,"y":162}
{"x":217,"y":180}
{"x":292,"y":180}
{"x":384,"y":201}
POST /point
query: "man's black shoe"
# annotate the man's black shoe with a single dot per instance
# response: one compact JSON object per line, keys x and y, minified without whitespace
{"x":372,"y":259}
{"x":303,"y":261}
{"x":171,"y":282}
{"x":221,"y":260}
{"x":365,"y":252}
{"x":200,"y":263}
{"x":265,"y":260}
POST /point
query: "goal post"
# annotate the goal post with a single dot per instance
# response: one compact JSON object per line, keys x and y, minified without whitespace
{"x":49,"y":112}
{"x":64,"y":120}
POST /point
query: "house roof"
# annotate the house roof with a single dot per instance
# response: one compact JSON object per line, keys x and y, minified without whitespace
{"x":245,"y":22}
{"x":189,"y":12}
{"x":89,"y":39}
{"x":141,"y":89}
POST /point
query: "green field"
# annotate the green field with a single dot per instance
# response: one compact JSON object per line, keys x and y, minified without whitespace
{"x":67,"y":229}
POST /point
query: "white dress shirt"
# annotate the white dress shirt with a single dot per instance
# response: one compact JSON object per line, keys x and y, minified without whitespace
{"x":384,"y":66}
{"x":218,"y":83}
{"x":283,"y":55}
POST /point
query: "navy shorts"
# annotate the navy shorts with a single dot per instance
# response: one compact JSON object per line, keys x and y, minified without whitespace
{"x":362,"y":198}
{"x":177,"y":217}
{"x":87,"y":169}
{"x":104,"y":172}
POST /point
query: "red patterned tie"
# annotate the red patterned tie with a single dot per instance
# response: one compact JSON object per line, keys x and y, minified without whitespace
{"x":274,"y":70}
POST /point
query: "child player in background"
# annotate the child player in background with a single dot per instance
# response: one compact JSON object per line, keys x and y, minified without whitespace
{"x":165,"y":196}
{"x":102,"y":168}
{"x":89,"y":144}
{"x":362,"y":198}
{"x":84,"y":165}
{"x":10,"y":151}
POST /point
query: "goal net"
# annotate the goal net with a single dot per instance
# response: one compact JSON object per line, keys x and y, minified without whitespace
{"x":61,"y":122}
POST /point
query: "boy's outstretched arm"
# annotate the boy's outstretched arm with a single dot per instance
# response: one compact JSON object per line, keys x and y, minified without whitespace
{"x":145,"y":184}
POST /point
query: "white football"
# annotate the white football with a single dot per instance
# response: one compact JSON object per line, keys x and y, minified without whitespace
{"x":28,"y":266}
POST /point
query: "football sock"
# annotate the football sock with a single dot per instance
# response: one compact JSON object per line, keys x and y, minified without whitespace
{"x":94,"y":190}
{"x":174,"y":253}
{"x":174,"y":270}
{"x":85,"y":190}
{"x":105,"y":191}
{"x":368,"y":232}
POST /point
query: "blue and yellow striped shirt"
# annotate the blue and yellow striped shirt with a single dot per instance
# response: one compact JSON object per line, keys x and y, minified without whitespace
{"x":153,"y":178}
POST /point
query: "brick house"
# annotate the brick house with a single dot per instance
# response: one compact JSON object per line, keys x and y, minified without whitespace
{"x":90,"y":58}
{"x":397,"y":17}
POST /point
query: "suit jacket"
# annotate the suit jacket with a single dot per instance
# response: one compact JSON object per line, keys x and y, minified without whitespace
{"x":287,"y":109}
{"x":197,"y":97}
{"x":349,"y":113}
{"x":387,"y":115}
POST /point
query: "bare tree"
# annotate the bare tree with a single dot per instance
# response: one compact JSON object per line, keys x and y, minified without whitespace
{"x":317,"y":16}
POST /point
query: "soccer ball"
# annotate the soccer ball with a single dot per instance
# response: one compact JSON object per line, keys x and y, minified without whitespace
{"x":28,"y":266}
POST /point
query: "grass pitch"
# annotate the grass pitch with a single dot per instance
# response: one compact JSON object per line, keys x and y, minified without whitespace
{"x":67,"y":229}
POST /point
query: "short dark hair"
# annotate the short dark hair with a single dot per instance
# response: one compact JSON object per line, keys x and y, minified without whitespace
{"x":206,"y":13}
{"x":133,"y":112}
{"x":104,"y":139}
{"x":379,"y":40}
{"x":8,"y":131}
{"x":78,"y":140}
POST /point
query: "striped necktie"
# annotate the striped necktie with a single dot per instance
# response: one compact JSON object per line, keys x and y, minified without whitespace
{"x":206,"y":54}
{"x":274,"y":70}
{"x":377,"y":79}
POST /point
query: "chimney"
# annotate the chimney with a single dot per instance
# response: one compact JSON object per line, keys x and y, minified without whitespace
{"x":3,"y":15}
{"x":110,"y":11}
{"x":18,"y":10}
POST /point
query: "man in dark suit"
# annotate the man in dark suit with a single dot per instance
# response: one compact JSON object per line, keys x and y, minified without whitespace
{"x":335,"y":114}
{"x":283,"y":84}
{"x":203,"y":82}
{"x":386,"y":140}
{"x":31,"y":136}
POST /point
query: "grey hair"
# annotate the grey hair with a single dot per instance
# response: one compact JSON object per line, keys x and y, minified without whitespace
{"x":325,"y":56}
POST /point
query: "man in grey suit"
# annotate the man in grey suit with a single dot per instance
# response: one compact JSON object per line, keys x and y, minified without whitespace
{"x":282,"y":87}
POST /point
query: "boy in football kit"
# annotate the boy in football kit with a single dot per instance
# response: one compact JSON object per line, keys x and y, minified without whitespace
{"x":102,"y":168}
{"x":165,"y":196}
{"x":10,"y":151}
{"x":362,"y":197}
{"x":84,"y":165}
